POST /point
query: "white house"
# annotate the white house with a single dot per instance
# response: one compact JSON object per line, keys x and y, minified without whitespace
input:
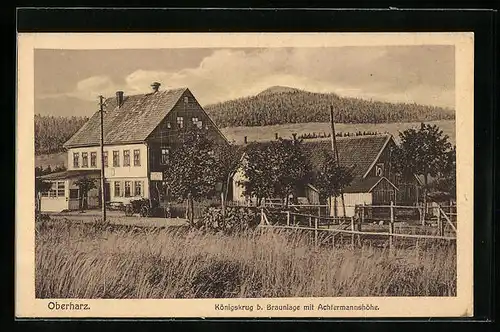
{"x":139,"y":131}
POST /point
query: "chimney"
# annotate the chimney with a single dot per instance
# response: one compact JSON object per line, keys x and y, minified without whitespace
{"x":119,"y":98}
{"x":155,"y":86}
{"x":245,"y":140}
{"x":294,"y":135}
{"x":276,"y":135}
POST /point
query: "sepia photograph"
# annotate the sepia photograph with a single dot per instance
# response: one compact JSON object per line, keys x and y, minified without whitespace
{"x":220,"y":170}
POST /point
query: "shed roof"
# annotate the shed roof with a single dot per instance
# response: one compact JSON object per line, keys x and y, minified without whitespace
{"x":132,"y":122}
{"x":358,"y":151}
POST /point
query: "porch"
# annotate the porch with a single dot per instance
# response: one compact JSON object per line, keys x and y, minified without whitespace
{"x":65,"y":194}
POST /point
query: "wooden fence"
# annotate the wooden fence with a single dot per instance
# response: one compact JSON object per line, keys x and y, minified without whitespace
{"x":360,"y":225}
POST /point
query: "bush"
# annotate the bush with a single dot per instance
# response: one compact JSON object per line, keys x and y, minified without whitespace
{"x":137,"y":204}
{"x":236,"y":219}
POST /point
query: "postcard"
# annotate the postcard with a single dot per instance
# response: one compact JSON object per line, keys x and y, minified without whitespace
{"x":286,"y":175}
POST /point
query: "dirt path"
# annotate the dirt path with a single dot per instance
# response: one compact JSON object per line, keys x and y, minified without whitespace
{"x":120,"y":219}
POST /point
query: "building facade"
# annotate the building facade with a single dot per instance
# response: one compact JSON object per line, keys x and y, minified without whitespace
{"x":139,"y":132}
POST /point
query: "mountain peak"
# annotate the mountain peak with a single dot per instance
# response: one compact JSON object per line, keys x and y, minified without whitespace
{"x":278,"y":89}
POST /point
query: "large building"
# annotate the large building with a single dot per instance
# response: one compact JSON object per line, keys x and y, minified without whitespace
{"x":139,"y":131}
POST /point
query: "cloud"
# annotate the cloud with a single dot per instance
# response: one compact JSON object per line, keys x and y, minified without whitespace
{"x":421,"y":74}
{"x":88,"y":89}
{"x":400,"y":74}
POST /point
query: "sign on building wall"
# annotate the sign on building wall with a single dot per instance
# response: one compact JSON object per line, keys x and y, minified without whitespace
{"x":156,"y":176}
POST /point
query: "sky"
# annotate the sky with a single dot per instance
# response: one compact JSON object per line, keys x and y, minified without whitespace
{"x":68,"y":82}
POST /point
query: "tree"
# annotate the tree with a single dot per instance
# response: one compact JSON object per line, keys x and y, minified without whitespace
{"x":274,"y":169}
{"x":290,"y":166}
{"x":85,"y":184}
{"x":258,"y":172}
{"x":227,"y":158}
{"x":331,"y":179}
{"x":445,"y":186}
{"x":423,"y":152}
{"x":193,"y":171}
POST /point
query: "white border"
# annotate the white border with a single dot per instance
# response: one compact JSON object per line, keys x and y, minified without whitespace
{"x":27,"y":306}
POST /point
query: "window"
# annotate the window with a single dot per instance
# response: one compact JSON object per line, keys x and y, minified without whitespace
{"x":73,"y":193}
{"x":117,"y":188}
{"x":53,"y":190}
{"x":60,"y":189}
{"x":164,"y":156}
{"x":137,"y":157}
{"x":379,"y":169}
{"x":128,"y":190}
{"x":138,"y":188}
{"x":180,"y":121}
{"x":197,"y":122}
{"x":116,"y":158}
{"x":169,"y":125}
{"x":85,"y":159}
{"x":186,"y":99}
{"x":56,"y":190}
{"x":93,"y":159}
{"x":126,"y":157}
{"x":105,"y":158}
{"x":76,"y":159}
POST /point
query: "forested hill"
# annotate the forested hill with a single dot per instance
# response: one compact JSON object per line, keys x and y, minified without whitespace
{"x":278,"y":105}
{"x":51,"y":132}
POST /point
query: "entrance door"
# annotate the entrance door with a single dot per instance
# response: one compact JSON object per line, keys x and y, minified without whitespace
{"x":74,"y":201}
{"x":107,"y":192}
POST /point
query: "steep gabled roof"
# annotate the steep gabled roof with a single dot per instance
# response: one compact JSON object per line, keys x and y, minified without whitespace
{"x":137,"y":117}
{"x":366,"y":185}
{"x":358,"y":151}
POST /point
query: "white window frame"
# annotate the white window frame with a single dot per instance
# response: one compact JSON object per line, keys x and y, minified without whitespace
{"x":141,"y":186}
{"x":76,"y":159}
{"x":180,"y":121}
{"x":137,"y":162}
{"x":117,"y":154}
{"x":126,"y":163}
{"x":93,"y":157}
{"x":85,"y":159}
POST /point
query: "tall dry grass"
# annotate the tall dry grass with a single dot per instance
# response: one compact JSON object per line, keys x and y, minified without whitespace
{"x":78,"y":261}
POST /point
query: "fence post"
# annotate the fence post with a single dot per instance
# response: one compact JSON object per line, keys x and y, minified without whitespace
{"x":362,"y":220}
{"x":310,"y":221}
{"x":391,"y":225}
{"x":440,"y":224}
{"x":262,"y":216}
{"x":423,"y":214}
{"x":352,"y":229}
{"x":316,"y":232}
{"x":288,"y":218}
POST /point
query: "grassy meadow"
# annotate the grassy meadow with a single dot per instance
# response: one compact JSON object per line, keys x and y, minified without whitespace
{"x":265,"y":133}
{"x":96,"y":261}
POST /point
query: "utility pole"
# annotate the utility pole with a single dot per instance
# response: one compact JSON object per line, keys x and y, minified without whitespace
{"x":336,"y":151}
{"x":103,"y":187}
